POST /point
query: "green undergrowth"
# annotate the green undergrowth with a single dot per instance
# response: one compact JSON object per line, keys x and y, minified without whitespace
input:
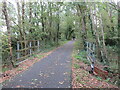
{"x":5,"y":69}
{"x":82,"y":57}
{"x":79,"y":53}
{"x":48,"y":48}
{"x":76,"y":66}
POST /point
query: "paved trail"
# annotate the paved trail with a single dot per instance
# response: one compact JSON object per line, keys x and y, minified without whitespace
{"x":54,"y":71}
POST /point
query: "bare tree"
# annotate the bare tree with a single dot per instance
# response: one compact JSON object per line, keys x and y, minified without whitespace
{"x":19,"y":22}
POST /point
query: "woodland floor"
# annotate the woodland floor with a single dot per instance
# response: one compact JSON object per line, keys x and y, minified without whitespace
{"x":81,"y":78}
{"x":54,"y":71}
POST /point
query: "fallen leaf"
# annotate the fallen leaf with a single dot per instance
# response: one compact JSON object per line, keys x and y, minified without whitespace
{"x":65,"y":79}
{"x":35,"y":79}
{"x":67,"y":61}
{"x":32,"y":83}
{"x":61,"y":82}
{"x":17,"y":86}
{"x":52,"y":73}
{"x":65,"y":73}
{"x":68,"y":87}
{"x":35,"y":86}
{"x":39,"y":81}
{"x":40,"y":74}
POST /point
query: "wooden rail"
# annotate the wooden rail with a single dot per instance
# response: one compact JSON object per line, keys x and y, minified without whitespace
{"x":100,"y":72}
{"x":91,"y":57}
{"x":91,"y":53}
{"x":27,"y":48}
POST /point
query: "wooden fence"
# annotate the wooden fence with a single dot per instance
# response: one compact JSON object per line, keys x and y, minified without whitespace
{"x":91,"y":53}
{"x":27,"y":48}
{"x":95,"y":67}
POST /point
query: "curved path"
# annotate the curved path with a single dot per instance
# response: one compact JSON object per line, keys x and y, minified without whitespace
{"x":54,"y":71}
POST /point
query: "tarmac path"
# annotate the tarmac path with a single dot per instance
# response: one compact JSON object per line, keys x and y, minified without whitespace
{"x":53,"y":71}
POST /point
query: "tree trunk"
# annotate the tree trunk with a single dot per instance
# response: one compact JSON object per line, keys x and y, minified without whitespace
{"x":19,"y":22}
{"x":103,"y":40}
{"x":8,"y":30}
{"x":99,"y":52}
{"x":91,"y":25}
{"x":58,"y":27}
{"x":84,"y":34}
{"x":30,"y":12}
{"x":30,"y":16}
{"x":23,"y":18}
{"x":50,"y":20}
{"x":42,"y":17}
{"x":118,"y":45}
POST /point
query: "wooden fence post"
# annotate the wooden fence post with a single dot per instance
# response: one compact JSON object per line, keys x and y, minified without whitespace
{"x":25,"y":48}
{"x":30,"y":47}
{"x":93,"y":50}
{"x":18,"y":48}
{"x":38,"y":43}
{"x":87,"y":47}
{"x":88,"y":51}
{"x":34,"y":45}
